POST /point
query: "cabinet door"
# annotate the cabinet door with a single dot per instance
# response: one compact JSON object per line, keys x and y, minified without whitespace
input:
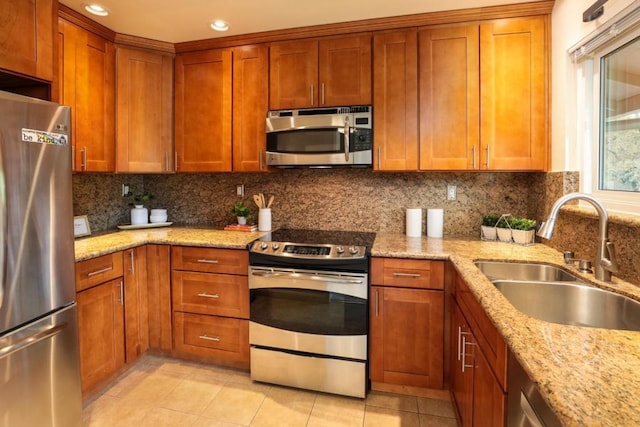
{"x":144,"y":111}
{"x":395,"y":101}
{"x":250,"y":94}
{"x":203,"y":111}
{"x":293,"y":75}
{"x":461,"y":367}
{"x":449,"y":98}
{"x":513,"y":81}
{"x":27,"y":37}
{"x":136,"y":305}
{"x":489,"y":401}
{"x":101,"y":332}
{"x":406,"y":336}
{"x":345,"y":71}
{"x":88,"y":86}
{"x":159,"y":297}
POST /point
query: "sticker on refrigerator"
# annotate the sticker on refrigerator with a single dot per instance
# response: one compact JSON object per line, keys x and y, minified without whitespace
{"x":43,"y":137}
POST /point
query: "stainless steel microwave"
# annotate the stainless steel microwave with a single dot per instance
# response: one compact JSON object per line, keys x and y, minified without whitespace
{"x":320,"y":137}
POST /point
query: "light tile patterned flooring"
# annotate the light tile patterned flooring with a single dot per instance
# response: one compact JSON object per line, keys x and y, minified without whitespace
{"x":159,"y":391}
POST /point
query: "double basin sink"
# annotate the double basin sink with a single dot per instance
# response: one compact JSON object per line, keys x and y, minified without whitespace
{"x":551,"y":294}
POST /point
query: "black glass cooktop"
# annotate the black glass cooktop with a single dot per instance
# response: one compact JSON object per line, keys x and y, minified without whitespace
{"x":322,"y":237}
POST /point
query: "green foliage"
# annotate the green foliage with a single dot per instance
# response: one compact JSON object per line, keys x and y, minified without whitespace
{"x":140,"y":199}
{"x":240,"y":209}
{"x":522,"y":223}
{"x":490,"y":220}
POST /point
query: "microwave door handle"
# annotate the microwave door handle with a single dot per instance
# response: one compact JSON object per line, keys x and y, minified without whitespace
{"x":346,"y":139}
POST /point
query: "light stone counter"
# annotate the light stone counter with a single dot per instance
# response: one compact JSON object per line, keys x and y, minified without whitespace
{"x":589,"y":376}
{"x":91,"y":247}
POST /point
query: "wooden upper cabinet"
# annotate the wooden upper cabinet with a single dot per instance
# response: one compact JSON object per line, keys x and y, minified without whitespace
{"x":203,"y":111}
{"x":293,"y":75}
{"x":250,"y":95}
{"x":27,"y":37}
{"x":514,"y":88}
{"x":449,"y":98}
{"x":87,"y":84}
{"x":144,"y":111}
{"x":318,"y":73}
{"x":395,"y":100}
{"x":345,"y":71}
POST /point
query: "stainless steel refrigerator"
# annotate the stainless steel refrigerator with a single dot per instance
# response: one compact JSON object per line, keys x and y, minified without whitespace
{"x":39,"y":360}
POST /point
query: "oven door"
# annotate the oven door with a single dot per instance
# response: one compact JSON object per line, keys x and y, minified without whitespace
{"x":309,"y":311}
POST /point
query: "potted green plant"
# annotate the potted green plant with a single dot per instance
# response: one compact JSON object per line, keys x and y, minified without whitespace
{"x":140,"y":214}
{"x":503,"y":228}
{"x":523,"y":230}
{"x":241,"y":212}
{"x":488,"y":227}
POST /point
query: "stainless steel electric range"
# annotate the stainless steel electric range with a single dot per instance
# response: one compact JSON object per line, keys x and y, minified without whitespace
{"x":308,"y":309}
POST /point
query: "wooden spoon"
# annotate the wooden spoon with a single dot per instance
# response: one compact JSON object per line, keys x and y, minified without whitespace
{"x":258,"y":201}
{"x":270,"y":201}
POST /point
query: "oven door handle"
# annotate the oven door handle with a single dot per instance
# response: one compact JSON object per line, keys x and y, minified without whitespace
{"x":320,"y":277}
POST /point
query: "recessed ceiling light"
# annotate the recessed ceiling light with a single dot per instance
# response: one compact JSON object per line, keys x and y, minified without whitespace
{"x":96,"y":9}
{"x":219,"y":25}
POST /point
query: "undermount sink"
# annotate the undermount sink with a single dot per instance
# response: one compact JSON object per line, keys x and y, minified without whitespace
{"x":572,"y":304}
{"x":551,"y":294}
{"x":496,"y":270}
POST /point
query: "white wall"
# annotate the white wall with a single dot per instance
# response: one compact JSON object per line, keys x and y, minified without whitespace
{"x":567,"y":29}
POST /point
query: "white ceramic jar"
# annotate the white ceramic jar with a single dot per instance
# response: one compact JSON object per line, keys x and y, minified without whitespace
{"x":139,"y":215}
{"x":158,"y":215}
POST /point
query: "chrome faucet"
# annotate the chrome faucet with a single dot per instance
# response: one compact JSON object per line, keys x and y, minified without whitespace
{"x":605,"y":262}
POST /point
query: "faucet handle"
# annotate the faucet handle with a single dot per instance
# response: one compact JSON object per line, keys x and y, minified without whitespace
{"x":610,"y":262}
{"x":568,"y":257}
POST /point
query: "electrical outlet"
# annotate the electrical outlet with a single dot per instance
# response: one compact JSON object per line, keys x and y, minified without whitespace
{"x":240,"y":190}
{"x":451,"y":192}
{"x":125,"y":190}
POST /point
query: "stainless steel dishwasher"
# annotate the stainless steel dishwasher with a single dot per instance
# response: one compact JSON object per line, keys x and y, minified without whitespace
{"x":526,"y":407}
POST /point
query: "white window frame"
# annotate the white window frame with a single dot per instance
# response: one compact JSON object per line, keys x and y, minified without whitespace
{"x":587,"y":105}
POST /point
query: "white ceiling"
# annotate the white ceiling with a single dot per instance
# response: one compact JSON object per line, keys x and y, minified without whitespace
{"x":186,"y":20}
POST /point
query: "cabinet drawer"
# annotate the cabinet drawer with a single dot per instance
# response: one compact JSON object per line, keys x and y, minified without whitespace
{"x":210,"y":260}
{"x":212,"y":338}
{"x":407,"y":273}
{"x":209,"y":293}
{"x":98,"y":270}
{"x":487,"y":336}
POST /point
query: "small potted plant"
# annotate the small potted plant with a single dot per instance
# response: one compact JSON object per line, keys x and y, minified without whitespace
{"x":523,"y":230}
{"x":488,"y":227}
{"x":503,"y":228}
{"x":241,"y":212}
{"x":140,"y":214}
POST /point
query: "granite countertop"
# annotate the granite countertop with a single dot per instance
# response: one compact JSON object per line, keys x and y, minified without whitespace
{"x":588,"y":375}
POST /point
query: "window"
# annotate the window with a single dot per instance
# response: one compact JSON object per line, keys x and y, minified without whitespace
{"x":608,"y":113}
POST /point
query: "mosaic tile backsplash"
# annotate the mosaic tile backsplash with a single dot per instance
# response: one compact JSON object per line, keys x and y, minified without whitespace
{"x":357,"y":199}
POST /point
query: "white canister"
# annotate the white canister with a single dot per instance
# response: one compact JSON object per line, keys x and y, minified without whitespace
{"x":139,"y":215}
{"x":264,"y":219}
{"x":414,"y":222}
{"x":435,"y":222}
{"x":158,"y":215}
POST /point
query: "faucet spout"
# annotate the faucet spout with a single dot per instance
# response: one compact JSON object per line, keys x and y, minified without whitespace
{"x":605,"y":262}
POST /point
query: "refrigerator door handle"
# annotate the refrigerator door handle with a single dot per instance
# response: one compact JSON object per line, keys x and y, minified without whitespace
{"x":32,"y":339}
{"x":3,"y":229}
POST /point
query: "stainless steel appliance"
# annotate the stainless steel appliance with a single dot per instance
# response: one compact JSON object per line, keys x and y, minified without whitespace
{"x":321,"y":137}
{"x":308,"y":310}
{"x":526,"y":407}
{"x":39,"y":362}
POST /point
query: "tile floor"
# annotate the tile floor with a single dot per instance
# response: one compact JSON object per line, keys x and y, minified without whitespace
{"x":159,"y":391}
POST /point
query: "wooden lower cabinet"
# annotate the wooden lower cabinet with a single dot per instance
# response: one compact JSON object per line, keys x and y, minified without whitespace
{"x":159,"y":297}
{"x":136,"y":305}
{"x":477,"y":371}
{"x":216,"y":339}
{"x":101,"y":332}
{"x":406,"y":322}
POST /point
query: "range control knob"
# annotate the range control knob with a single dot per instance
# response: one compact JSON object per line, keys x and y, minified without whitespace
{"x":340,"y":249}
{"x":275,"y":246}
{"x":353,"y":250}
{"x":264,"y":246}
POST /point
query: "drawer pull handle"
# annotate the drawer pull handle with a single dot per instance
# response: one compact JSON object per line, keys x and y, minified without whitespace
{"x":208,"y":261}
{"x":206,"y":295}
{"x":208,"y":338}
{"x":414,"y":275}
{"x":104,"y":270}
